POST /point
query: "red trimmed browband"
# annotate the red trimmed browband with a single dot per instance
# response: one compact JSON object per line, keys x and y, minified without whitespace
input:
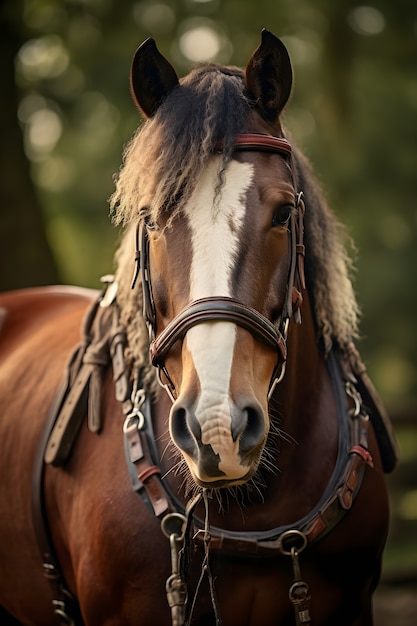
{"x":258,"y":141}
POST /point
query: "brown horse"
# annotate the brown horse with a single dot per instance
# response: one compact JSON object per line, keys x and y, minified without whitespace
{"x":253,"y":491}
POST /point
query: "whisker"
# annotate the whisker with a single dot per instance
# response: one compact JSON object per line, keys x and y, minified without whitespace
{"x":167,"y":447}
{"x":172,"y":470}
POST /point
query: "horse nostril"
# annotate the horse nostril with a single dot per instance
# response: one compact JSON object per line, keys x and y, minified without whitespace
{"x":252,"y":431}
{"x":180,"y":431}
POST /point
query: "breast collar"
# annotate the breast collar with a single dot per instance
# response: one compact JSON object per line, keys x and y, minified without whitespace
{"x":352,"y":457}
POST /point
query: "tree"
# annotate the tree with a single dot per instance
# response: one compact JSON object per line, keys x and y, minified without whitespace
{"x":25,"y":255}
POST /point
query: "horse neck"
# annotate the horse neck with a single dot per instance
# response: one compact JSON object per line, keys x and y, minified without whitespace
{"x":306,"y":371}
{"x":304,"y":410}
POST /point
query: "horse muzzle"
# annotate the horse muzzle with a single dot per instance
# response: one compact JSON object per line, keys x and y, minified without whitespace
{"x":221,"y":443}
{"x":222,"y":431}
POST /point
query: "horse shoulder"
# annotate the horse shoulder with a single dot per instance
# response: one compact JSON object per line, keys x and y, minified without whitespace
{"x":40,"y":328}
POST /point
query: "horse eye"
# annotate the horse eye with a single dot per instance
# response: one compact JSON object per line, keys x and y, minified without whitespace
{"x":151,"y":225}
{"x":281,"y":215}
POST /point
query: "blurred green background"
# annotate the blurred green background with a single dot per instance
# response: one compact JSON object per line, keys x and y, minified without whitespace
{"x":66,"y":113}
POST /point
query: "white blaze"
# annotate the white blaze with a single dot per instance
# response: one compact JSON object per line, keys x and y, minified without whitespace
{"x":215,"y":224}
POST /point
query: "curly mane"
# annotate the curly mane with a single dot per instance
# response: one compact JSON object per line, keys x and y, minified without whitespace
{"x":165,"y":158}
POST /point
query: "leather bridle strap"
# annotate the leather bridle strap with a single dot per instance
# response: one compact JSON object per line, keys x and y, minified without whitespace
{"x":259,"y":143}
{"x":216,"y":309}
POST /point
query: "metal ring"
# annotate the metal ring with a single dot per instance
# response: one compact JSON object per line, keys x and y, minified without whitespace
{"x":64,"y":617}
{"x":172,"y":524}
{"x":141,"y":420}
{"x":295,"y":539}
{"x":138,"y":397}
{"x":136,"y":419}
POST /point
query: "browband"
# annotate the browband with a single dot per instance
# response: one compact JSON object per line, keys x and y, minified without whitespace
{"x":259,"y":143}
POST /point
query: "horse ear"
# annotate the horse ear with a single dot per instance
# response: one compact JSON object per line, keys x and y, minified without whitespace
{"x":269,"y":76}
{"x":152,"y":77}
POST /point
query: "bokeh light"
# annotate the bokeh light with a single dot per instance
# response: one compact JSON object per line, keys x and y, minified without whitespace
{"x":45,"y":57}
{"x":367,"y":20}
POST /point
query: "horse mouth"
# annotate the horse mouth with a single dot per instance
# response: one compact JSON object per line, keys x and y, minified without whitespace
{"x":223,"y":483}
{"x":219,"y":456}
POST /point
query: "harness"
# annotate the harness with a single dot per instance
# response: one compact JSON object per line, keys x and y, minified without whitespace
{"x":104,"y":343}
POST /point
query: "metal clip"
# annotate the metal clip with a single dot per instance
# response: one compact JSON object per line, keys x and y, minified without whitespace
{"x":176,"y":589}
{"x":110,"y":293}
{"x":59,"y":610}
{"x":298,"y":592}
{"x":136,"y":419}
{"x":277,"y":380}
{"x":279,"y":374}
{"x":354,"y":394}
{"x":137,"y":398}
{"x":134,"y":422}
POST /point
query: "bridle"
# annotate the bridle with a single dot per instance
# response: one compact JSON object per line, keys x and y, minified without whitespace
{"x":223,"y":308}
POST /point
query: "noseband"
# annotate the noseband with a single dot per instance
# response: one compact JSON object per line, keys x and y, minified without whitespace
{"x":214,"y":309}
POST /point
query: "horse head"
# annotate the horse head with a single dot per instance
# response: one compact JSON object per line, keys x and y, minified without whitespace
{"x":216,"y":252}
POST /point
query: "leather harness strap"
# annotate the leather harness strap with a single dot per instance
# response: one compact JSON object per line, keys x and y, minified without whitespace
{"x":215,"y":309}
{"x":64,"y":603}
{"x":84,"y":373}
{"x":318,"y":525}
{"x":144,"y":471}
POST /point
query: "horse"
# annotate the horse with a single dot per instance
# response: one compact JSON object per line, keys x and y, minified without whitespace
{"x":199,"y":442}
